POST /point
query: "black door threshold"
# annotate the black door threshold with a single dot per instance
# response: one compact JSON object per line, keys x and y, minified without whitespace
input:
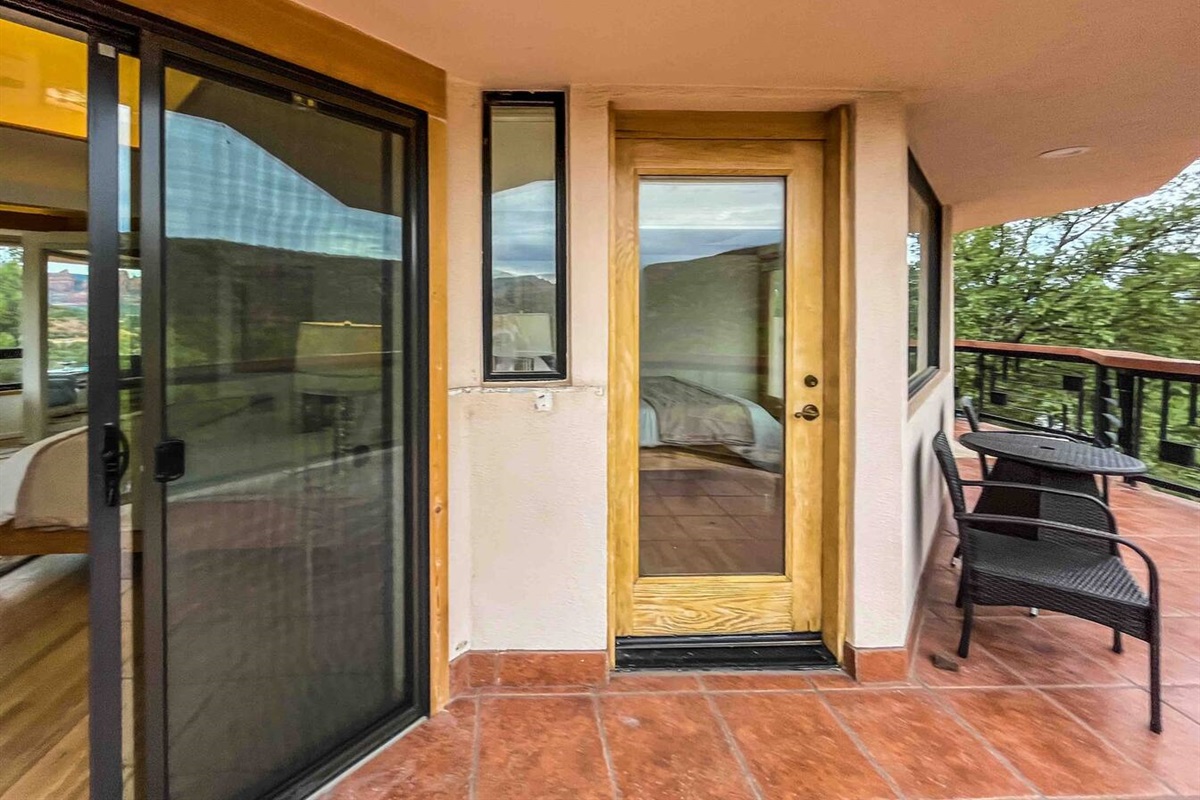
{"x":750,"y":651}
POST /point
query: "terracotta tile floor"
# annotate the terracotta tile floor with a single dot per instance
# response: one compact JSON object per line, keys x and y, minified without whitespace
{"x":1042,"y":708}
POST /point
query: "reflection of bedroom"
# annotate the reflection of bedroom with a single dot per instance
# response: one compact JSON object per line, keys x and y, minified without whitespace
{"x":712,"y":349}
{"x":44,"y":332}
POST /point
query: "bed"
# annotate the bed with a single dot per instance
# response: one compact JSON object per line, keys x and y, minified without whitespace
{"x":43,"y":497}
{"x":678,"y":413}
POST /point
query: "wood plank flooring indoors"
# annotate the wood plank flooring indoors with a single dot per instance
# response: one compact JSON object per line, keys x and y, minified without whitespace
{"x":703,"y":516}
{"x":43,"y":680}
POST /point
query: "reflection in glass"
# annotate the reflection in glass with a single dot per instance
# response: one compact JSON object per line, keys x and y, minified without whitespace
{"x":712,"y":367}
{"x":922,"y":254}
{"x":285,"y":555}
{"x":129,"y":364}
{"x":524,"y":239}
{"x":44,"y":567}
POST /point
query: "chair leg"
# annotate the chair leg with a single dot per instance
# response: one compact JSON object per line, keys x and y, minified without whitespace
{"x":1155,"y":681}
{"x":964,"y":642}
{"x":1118,"y":645}
{"x":958,"y":598}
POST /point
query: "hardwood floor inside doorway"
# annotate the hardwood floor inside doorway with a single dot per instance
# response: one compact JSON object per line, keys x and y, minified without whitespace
{"x":43,"y":680}
{"x":704,"y":516}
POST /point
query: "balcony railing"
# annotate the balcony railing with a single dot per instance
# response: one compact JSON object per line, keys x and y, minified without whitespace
{"x":1142,"y":404}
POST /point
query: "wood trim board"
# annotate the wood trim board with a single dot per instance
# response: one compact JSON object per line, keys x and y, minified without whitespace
{"x":439,"y":491}
{"x":742,"y":126}
{"x":304,"y":37}
{"x":839,"y":379}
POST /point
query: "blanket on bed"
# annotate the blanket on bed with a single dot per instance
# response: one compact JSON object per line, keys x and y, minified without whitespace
{"x":691,"y":414}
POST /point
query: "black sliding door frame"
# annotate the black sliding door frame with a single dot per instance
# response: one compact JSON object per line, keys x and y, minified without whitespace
{"x":245,"y":70}
{"x":104,"y":418}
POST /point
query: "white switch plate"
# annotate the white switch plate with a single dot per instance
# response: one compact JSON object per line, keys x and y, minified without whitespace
{"x":543,"y":401}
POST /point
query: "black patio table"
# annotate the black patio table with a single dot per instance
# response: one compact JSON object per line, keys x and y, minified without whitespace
{"x":1054,"y":463}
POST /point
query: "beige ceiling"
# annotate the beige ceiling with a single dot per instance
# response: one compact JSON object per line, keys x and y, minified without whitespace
{"x":989,"y":83}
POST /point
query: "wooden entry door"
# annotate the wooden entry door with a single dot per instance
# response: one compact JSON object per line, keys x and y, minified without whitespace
{"x":717,"y":420}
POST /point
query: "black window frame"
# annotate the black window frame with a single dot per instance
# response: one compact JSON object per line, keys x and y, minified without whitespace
{"x":544,"y":99}
{"x":932,"y":280}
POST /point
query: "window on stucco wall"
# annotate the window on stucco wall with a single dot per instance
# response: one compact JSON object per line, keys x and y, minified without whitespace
{"x":525,"y":251}
{"x":924,"y":278}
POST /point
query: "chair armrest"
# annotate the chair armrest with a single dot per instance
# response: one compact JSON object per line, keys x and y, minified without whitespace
{"x":1033,"y":487}
{"x":1091,"y":533}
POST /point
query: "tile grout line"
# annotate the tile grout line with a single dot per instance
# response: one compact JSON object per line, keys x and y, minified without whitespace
{"x":860,"y":744}
{"x":1180,"y":710}
{"x":608,"y":762}
{"x":476,"y":747}
{"x":983,"y":740}
{"x":1104,"y":739}
{"x":732,"y":744}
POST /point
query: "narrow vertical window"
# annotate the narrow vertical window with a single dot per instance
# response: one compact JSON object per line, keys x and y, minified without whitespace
{"x":524,"y":236}
{"x":924,"y":278}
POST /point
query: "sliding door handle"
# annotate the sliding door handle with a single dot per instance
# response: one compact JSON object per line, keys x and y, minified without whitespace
{"x":114,"y":460}
{"x":170,"y":460}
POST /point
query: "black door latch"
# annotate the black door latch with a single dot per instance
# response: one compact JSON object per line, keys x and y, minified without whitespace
{"x":170,"y":460}
{"x":114,"y":460}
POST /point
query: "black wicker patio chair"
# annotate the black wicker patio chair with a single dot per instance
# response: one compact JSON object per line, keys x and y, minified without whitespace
{"x":1072,"y":568}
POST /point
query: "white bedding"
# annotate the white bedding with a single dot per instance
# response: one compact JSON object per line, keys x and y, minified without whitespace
{"x":45,"y":484}
{"x":766,"y":452}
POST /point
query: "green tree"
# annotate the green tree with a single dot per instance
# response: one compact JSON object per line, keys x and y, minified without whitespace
{"x":10,"y":296}
{"x":1123,"y":276}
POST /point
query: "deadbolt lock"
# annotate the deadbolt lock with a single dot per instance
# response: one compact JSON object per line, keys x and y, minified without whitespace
{"x":810,"y":381}
{"x":809,"y":412}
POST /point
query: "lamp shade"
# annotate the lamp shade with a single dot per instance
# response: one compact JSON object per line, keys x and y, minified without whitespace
{"x":522,"y":335}
{"x":338,"y":357}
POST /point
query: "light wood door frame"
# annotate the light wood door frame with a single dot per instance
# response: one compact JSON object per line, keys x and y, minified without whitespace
{"x":808,"y":151}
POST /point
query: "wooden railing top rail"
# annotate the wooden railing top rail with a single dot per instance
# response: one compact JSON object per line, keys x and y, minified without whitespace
{"x":1116,"y":359}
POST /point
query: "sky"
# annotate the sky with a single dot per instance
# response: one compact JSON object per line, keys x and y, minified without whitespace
{"x":679,"y":219}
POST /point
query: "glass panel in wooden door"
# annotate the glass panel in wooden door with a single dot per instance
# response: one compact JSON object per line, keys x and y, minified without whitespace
{"x":711,"y":449}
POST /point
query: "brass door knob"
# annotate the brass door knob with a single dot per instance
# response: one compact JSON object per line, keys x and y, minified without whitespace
{"x":809,"y":412}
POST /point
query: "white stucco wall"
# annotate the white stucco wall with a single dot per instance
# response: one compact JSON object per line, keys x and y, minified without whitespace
{"x":898,"y":489}
{"x":528,"y":489}
{"x":528,"y":514}
{"x":877,"y":608}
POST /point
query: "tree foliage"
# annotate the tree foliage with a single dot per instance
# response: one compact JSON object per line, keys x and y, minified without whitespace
{"x":10,"y":296}
{"x":1122,"y":276}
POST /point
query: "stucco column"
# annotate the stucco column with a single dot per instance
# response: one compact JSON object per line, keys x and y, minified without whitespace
{"x":878,"y":604}
{"x":464,"y":301}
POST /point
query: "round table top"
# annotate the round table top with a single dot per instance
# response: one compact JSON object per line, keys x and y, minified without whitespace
{"x":1060,"y":454}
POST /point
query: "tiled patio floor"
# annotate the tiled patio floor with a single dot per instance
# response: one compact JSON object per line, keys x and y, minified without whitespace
{"x":1042,"y":708}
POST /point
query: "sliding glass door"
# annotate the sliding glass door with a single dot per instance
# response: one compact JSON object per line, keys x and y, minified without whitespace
{"x":282,"y":413}
{"x":217,"y":262}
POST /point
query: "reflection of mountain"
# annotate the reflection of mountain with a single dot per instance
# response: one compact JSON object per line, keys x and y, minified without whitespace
{"x":66,"y":288}
{"x":664,"y":245}
{"x":707,"y":307}
{"x":512,"y":294}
